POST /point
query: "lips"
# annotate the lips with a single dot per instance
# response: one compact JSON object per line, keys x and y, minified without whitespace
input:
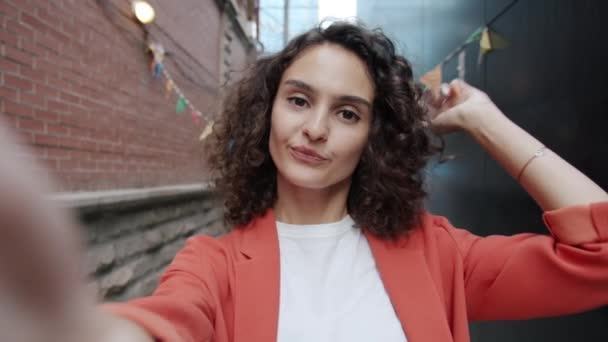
{"x":307,"y":154}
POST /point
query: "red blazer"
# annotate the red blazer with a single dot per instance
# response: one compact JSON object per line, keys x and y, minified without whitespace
{"x":438,"y":279}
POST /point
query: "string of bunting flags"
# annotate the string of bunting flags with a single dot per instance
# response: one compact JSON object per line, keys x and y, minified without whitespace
{"x":488,"y":41}
{"x":182,"y":102}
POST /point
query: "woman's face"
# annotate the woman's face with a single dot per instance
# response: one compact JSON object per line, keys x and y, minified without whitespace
{"x":321,"y":117}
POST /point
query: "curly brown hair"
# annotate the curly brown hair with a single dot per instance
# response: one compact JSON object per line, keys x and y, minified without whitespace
{"x":386,"y":194}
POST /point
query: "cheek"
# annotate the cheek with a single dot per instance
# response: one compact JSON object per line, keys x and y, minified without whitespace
{"x":279,"y":133}
{"x":272,"y":139}
{"x":351,"y":153}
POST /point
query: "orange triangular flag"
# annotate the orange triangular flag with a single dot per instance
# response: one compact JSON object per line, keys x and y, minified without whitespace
{"x":432,"y":79}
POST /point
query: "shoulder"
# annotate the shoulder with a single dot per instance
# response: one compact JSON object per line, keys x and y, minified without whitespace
{"x":221,"y":248}
{"x":224,"y":248}
{"x":437,"y":230}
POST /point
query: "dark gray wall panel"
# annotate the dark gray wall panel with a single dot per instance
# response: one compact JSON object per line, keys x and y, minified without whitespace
{"x":552,"y":80}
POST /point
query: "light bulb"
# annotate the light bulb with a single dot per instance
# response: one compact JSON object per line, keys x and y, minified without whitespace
{"x":143,"y":11}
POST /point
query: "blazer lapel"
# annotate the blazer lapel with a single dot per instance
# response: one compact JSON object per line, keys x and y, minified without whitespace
{"x":412,"y":292}
{"x":257,"y":282}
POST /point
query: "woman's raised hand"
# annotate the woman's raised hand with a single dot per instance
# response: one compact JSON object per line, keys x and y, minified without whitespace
{"x":458,"y":106}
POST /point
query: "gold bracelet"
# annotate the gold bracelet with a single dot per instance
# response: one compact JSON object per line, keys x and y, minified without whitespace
{"x":539,"y":153}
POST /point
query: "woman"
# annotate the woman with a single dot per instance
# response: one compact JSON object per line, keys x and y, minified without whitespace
{"x":319,"y":153}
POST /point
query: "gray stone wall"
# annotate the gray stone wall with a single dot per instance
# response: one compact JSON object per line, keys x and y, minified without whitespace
{"x":132,"y":240}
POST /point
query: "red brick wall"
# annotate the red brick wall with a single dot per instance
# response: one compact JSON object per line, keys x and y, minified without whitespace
{"x":75,"y":83}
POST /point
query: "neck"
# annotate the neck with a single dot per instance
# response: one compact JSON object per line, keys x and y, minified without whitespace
{"x":297,"y":205}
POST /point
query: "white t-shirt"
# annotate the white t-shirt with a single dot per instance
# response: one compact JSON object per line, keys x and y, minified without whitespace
{"x":330,"y":287}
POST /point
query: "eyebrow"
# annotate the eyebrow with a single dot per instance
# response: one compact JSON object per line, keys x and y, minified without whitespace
{"x":346,"y":98}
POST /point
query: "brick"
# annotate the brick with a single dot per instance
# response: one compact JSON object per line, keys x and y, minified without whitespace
{"x":19,"y":56}
{"x":35,"y":75}
{"x":76,"y":132}
{"x":58,"y":36}
{"x":46,"y":115}
{"x":80,"y":155}
{"x":54,"y":129}
{"x":19,"y":83}
{"x":71,"y":120}
{"x":33,"y":100}
{"x":57,"y":106}
{"x":87,"y":165}
{"x":68,"y":143}
{"x":119,"y":167}
{"x":9,"y":9}
{"x":56,"y":82}
{"x":79,"y":49}
{"x":103,"y":135}
{"x":108,"y":157}
{"x":30,"y":125}
{"x":25,"y":6}
{"x":8,"y":66}
{"x":49,"y":43}
{"x":17,"y":108}
{"x":34,"y":49}
{"x":104,"y":166}
{"x":8,"y":38}
{"x":71,"y":28}
{"x":69,"y":97}
{"x":46,"y":140}
{"x":32,"y":22}
{"x":48,"y":92}
{"x":88,"y":145}
{"x":50,"y":18}
{"x":8,"y":93}
{"x":56,"y":141}
{"x":47,"y":67}
{"x":16,"y":27}
{"x":57,"y":153}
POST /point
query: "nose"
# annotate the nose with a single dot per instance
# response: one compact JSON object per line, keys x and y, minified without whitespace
{"x":316,"y":127}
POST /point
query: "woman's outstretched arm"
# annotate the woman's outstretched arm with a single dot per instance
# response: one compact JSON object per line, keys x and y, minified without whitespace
{"x":549,"y":179}
{"x":42,"y":292}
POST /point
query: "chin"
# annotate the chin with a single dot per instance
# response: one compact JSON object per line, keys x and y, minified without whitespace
{"x":307,"y":180}
{"x":313,"y":179}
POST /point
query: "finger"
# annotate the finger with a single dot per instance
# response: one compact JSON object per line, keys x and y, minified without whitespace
{"x":444,"y":123}
{"x":445,"y":90}
{"x":459,"y":92}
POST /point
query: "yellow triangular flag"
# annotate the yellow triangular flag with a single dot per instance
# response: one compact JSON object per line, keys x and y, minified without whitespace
{"x":491,"y":40}
{"x":485,"y":44}
{"x":432,"y":79}
{"x":207,"y":131}
{"x":168,"y":88}
{"x":497,"y":41}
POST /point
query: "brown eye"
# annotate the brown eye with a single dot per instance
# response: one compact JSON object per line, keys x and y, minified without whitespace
{"x":298,"y":101}
{"x":349,"y":116}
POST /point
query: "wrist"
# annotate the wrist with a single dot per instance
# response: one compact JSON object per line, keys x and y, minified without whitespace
{"x":115,"y":328}
{"x":479,"y":123}
{"x":100,"y":326}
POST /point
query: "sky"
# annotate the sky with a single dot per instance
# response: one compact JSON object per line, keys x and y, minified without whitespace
{"x":337,"y":9}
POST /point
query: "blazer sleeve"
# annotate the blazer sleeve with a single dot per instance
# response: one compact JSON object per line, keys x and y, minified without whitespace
{"x":530,"y":275}
{"x":180,"y":309}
